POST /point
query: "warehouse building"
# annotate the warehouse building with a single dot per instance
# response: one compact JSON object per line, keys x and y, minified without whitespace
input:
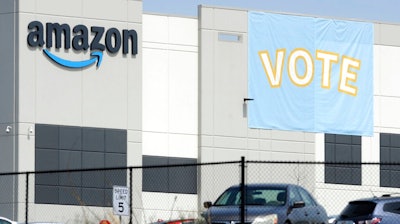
{"x":94,"y":84}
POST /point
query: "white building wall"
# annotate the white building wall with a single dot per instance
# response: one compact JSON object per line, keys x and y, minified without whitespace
{"x":38,"y":91}
{"x":170,"y":105}
{"x":170,"y":86}
{"x":184,"y":99}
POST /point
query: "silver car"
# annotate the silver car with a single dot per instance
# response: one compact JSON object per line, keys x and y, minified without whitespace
{"x":266,"y":204}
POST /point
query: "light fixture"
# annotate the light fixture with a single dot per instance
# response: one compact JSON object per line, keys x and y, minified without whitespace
{"x":8,"y":129}
{"x":30,"y":130}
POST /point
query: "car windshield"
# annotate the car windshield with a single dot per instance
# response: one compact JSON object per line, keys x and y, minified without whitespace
{"x":260,"y":195}
{"x":357,"y":209}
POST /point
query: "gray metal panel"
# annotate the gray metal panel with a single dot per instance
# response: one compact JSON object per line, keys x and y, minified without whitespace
{"x":92,"y":159}
{"x":92,"y":196}
{"x":395,"y":156}
{"x":343,"y":175}
{"x":108,"y":197}
{"x":183,"y":179}
{"x":115,"y":177}
{"x":395,"y":140}
{"x":329,"y":152}
{"x":47,"y":136}
{"x":343,"y":153}
{"x":384,"y":139}
{"x":356,"y":176}
{"x":115,"y":160}
{"x":356,"y":154}
{"x":93,"y":139}
{"x":395,"y":178}
{"x":330,"y":138}
{"x":169,"y":179}
{"x":330,"y":174}
{"x":70,"y":160}
{"x":70,"y":138}
{"x":93,"y":178}
{"x":46,"y":160}
{"x":356,"y":140}
{"x":46,"y":194}
{"x":115,"y":140}
{"x":70,"y":195}
{"x":343,"y":139}
{"x":68,"y":154}
{"x":155,"y":179}
{"x":385,"y":155}
{"x":385,"y":180}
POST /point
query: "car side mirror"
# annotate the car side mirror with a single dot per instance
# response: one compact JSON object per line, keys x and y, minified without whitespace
{"x":207,"y":204}
{"x":298,"y":204}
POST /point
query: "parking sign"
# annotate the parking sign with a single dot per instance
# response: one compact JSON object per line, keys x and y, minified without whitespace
{"x":121,"y":200}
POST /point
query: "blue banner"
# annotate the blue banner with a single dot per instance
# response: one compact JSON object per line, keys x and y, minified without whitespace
{"x":310,"y":74}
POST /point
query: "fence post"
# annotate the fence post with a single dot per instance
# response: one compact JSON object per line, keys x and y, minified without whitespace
{"x":26,"y":197}
{"x":242,"y":191}
{"x":130,"y":195}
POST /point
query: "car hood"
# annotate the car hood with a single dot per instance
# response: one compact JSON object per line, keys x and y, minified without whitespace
{"x":232,"y":213}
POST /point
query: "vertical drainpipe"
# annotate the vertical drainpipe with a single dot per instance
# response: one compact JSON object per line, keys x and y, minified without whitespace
{"x":15,"y":109}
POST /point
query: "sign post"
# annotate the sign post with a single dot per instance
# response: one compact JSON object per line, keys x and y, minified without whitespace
{"x":121,"y":200}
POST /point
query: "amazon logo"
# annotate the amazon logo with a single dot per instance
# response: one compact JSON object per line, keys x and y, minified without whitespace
{"x":81,"y":38}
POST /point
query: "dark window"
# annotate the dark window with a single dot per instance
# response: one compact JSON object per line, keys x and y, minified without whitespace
{"x":392,"y":207}
{"x":358,"y":209}
{"x":341,"y":149}
{"x":390,"y":157}
{"x":308,"y":200}
{"x":70,"y":148}
{"x":161,"y":176}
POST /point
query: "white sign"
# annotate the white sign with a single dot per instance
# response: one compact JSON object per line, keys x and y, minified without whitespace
{"x":121,"y":200}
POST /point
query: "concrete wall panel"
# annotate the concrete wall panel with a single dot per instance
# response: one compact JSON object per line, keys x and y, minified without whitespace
{"x":387,"y":74}
{"x":155,"y":90}
{"x":183,"y":92}
{"x":206,"y":83}
{"x":387,"y":34}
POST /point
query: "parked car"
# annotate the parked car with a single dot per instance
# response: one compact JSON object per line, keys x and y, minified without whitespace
{"x":375,"y":210}
{"x":4,"y":220}
{"x":267,"y":204}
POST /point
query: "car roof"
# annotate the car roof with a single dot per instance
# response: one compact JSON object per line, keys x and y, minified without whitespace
{"x":4,"y":218}
{"x":278,"y":185}
{"x":383,"y":198}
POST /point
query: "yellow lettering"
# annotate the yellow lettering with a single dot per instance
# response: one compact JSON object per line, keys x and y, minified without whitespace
{"x":307,"y":77}
{"x":347,"y":75}
{"x":274,"y":74}
{"x":327,"y":59}
{"x":347,"y":67}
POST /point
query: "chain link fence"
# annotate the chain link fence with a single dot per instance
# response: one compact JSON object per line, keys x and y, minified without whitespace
{"x":177,"y":192}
